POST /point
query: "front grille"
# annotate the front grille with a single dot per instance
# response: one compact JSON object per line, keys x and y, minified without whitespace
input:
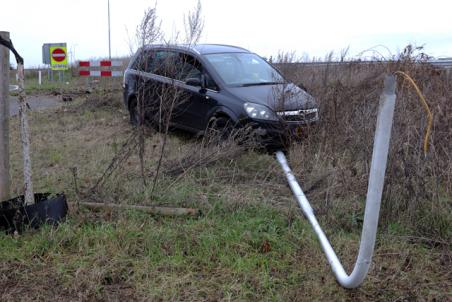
{"x":303,"y":116}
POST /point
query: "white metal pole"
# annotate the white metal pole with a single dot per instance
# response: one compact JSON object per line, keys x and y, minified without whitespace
{"x":374,"y":193}
{"x":4,"y":120}
{"x":39,"y":78}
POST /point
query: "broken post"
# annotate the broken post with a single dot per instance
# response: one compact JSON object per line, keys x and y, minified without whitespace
{"x":4,"y":120}
{"x":165,"y":211}
{"x":24,"y":130}
{"x":25,"y":137}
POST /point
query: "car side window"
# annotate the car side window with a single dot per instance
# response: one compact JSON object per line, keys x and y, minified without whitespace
{"x":165,"y":63}
{"x":190,"y":67}
{"x":171,"y":64}
{"x":144,"y":61}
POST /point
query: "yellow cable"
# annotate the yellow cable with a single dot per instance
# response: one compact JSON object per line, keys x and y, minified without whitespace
{"x":426,"y":108}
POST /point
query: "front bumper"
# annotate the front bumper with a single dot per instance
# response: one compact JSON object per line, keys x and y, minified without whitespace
{"x":278,"y":135}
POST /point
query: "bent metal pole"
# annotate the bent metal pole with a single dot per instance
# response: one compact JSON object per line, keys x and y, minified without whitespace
{"x":374,"y":193}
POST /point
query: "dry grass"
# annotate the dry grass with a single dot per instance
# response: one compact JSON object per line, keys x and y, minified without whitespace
{"x":417,"y":189}
{"x":251,"y":243}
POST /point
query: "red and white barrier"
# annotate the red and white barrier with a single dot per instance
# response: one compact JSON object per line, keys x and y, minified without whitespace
{"x":100,"y":73}
{"x":86,"y":72}
{"x":104,"y":63}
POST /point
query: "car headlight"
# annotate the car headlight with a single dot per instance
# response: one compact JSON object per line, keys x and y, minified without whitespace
{"x":260,"y":112}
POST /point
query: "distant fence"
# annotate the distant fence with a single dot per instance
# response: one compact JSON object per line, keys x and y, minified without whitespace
{"x":446,"y":63}
{"x":352,"y":68}
{"x":104,"y":68}
{"x":443,"y":63}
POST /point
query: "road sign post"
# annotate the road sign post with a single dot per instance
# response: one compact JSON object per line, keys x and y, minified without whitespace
{"x":58,"y":57}
{"x":55,"y":55}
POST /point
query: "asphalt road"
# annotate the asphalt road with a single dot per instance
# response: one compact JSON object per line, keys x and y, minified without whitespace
{"x":35,"y":102}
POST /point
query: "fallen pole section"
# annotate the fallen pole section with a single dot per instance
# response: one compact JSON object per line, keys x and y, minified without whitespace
{"x":166,"y":211}
{"x":374,"y":193}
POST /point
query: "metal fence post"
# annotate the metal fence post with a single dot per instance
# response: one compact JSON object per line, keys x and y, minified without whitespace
{"x":373,"y":199}
{"x":4,"y":120}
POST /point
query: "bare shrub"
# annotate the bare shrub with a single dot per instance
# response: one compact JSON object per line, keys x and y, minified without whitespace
{"x":157,"y":104}
{"x":149,"y":29}
{"x":216,"y":146}
{"x":417,"y":188}
{"x":194,"y":25}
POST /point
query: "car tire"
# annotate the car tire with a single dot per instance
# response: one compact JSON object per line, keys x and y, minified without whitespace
{"x":219,"y":129}
{"x":134,"y":112}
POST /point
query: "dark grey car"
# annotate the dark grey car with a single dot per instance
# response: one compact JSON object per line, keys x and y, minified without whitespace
{"x":224,"y":84}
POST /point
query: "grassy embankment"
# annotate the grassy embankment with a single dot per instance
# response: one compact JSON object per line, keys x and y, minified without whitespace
{"x":250,"y":243}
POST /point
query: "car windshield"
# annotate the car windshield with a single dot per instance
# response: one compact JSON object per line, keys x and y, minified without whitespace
{"x":244,"y":69}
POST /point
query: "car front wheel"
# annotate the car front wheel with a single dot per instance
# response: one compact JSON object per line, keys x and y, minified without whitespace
{"x":219,"y":129}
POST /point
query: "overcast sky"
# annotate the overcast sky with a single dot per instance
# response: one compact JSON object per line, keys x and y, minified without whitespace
{"x":311,"y":28}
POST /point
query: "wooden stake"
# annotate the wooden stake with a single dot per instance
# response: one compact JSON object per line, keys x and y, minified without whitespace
{"x":25,"y":138}
{"x":166,"y":211}
{"x":4,"y":120}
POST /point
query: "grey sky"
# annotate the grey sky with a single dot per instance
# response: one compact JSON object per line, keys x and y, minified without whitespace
{"x":311,"y":28}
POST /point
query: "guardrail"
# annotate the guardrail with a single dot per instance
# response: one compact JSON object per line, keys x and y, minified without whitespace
{"x":442,"y":63}
{"x":446,"y":63}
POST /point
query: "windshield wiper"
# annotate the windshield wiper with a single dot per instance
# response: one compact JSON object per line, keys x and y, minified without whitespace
{"x":260,"y":83}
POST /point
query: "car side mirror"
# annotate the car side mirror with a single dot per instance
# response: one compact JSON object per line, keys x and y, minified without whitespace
{"x":194,"y":82}
{"x":198,"y":83}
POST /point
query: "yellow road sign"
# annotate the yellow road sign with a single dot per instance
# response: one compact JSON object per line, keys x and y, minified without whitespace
{"x":58,"y":58}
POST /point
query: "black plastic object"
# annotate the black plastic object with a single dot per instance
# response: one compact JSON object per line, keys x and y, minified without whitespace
{"x":15,"y":216}
{"x":9,"y":44}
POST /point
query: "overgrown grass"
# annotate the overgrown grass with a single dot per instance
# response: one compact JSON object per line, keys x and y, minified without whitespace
{"x":249,"y":253}
{"x":251,"y":243}
{"x":418,"y":186}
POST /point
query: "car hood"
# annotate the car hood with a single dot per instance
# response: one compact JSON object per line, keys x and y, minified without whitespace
{"x":279,"y":97}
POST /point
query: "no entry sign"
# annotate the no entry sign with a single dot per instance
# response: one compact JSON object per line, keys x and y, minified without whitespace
{"x":58,"y":57}
{"x":58,"y":54}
